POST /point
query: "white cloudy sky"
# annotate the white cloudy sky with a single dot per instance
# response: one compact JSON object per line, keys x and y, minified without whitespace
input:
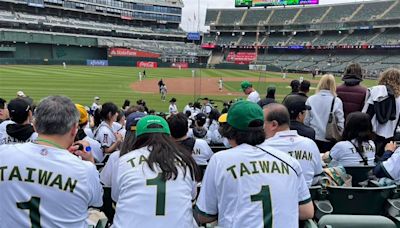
{"x":191,"y":9}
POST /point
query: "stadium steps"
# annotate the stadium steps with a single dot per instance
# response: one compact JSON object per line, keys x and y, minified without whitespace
{"x":218,"y":17}
{"x":240,"y":40}
{"x":263,"y":40}
{"x":341,"y":40}
{"x":326,"y":13}
{"x":269,"y":17}
{"x":388,"y":9}
{"x":296,"y":16}
{"x":288,"y":41}
{"x":243,"y":17}
{"x":373,"y":38}
{"x":315,"y":39}
{"x":355,"y":12}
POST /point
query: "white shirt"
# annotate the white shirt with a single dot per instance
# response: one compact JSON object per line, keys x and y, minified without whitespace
{"x":109,"y":173}
{"x":201,"y":152}
{"x":344,"y":153}
{"x":206,"y":108}
{"x":88,"y":132}
{"x":207,"y":137}
{"x":95,"y":106}
{"x":117,"y":127}
{"x":187,"y":108}
{"x":139,"y":189}
{"x":105,"y":135}
{"x":173,"y":108}
{"x":303,"y":149}
{"x":96,"y":149}
{"x":65,"y":185}
{"x":254,"y":97}
{"x":236,"y":181}
{"x":6,"y":139}
{"x":392,"y":166}
{"x":317,"y":117}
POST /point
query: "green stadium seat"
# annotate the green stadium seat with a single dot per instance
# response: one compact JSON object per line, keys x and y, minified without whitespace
{"x":358,"y":173}
{"x":355,"y":221}
{"x":359,"y":201}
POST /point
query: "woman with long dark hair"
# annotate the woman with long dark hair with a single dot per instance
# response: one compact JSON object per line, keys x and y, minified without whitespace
{"x":357,"y":147}
{"x":156,"y":179}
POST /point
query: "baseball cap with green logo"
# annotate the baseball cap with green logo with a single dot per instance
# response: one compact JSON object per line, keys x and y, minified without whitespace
{"x":144,"y":125}
{"x":245,"y":85}
{"x":242,"y":115}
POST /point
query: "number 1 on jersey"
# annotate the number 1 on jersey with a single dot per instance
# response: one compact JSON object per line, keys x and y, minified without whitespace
{"x":265,"y":197}
{"x":161,"y":190}
{"x":33,"y":206}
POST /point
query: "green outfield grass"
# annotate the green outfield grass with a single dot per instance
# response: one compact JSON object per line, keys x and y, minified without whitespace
{"x":82,"y":83}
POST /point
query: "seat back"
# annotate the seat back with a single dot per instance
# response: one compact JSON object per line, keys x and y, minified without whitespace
{"x":355,"y":221}
{"x":359,"y":201}
{"x":358,"y":173}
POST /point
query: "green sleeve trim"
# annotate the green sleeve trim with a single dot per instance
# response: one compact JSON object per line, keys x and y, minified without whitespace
{"x":305,"y":201}
{"x":386,"y":172}
{"x":204,"y":213}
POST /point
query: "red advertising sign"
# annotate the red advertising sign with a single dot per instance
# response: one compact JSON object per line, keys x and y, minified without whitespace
{"x":124,"y":52}
{"x":241,"y":57}
{"x":180,"y":65}
{"x":208,"y":46}
{"x":147,"y":64}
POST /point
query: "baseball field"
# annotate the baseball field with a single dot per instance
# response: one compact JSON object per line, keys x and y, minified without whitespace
{"x":115,"y":84}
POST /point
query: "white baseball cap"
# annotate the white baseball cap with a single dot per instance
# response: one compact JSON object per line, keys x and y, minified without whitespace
{"x":21,"y":94}
{"x":97,"y":98}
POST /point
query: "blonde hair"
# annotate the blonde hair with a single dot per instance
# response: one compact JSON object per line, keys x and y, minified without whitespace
{"x":327,"y":82}
{"x":391,"y":77}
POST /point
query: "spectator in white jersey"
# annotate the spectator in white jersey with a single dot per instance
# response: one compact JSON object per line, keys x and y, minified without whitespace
{"x":19,"y":129}
{"x":81,"y":134}
{"x":252,"y":184}
{"x":44,"y":184}
{"x":109,"y":139}
{"x":248,"y":89}
{"x":198,"y":148}
{"x":158,"y":175}
{"x":279,"y":136}
{"x":96,"y":104}
{"x":108,"y":175}
{"x":199,"y":131}
{"x":172,"y":106}
{"x":207,"y":107}
{"x":356,"y":147}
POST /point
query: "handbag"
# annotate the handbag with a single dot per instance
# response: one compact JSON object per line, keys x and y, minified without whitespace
{"x":333,"y":131}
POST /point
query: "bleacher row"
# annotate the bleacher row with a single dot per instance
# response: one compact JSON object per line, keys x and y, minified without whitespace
{"x":372,"y":64}
{"x":328,"y":38}
{"x":353,"y":12}
{"x":365,"y":204}
{"x":7,"y":16}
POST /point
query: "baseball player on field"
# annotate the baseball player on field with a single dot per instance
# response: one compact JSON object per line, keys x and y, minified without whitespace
{"x":156,"y":179}
{"x":303,"y":149}
{"x":42,"y":184}
{"x":252,"y":184}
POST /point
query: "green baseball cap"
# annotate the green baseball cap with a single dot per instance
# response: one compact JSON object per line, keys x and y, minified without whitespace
{"x":245,"y":85}
{"x":242,"y":113}
{"x":142,"y":126}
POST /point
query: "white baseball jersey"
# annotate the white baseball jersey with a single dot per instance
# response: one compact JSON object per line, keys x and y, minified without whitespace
{"x":88,"y":132}
{"x":216,"y":138}
{"x":206,"y":109}
{"x":220,"y":82}
{"x":303,"y":149}
{"x":108,"y":174}
{"x":95,"y":106}
{"x":345,"y":153}
{"x":201,"y":152}
{"x":254,"y":97}
{"x":248,"y":187}
{"x":117,"y":127}
{"x":96,"y":149}
{"x":44,"y":186}
{"x":6,"y":139}
{"x":392,"y":167}
{"x":105,"y":135}
{"x":163,"y":89}
{"x":144,"y":200}
{"x":173,"y":108}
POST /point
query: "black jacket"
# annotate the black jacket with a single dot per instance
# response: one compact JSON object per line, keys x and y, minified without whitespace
{"x":302,"y":129}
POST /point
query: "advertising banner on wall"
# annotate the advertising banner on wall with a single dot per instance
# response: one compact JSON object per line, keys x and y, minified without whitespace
{"x":180,"y":65}
{"x":258,"y":67}
{"x":142,"y":64}
{"x":125,"y":52}
{"x":96,"y":62}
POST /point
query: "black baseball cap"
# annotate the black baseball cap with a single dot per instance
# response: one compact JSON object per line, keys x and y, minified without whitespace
{"x":173,"y":100}
{"x":19,"y":109}
{"x":296,"y":104}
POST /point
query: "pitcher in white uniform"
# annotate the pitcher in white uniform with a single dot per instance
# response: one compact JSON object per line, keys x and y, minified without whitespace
{"x":156,"y":180}
{"x":252,"y":184}
{"x":248,"y":89}
{"x":42,"y":183}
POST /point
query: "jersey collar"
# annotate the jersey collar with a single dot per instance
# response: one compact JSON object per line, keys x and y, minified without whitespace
{"x":284,"y":134}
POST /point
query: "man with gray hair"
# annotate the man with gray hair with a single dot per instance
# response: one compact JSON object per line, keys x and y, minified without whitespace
{"x":279,"y":136}
{"x":49,"y":182}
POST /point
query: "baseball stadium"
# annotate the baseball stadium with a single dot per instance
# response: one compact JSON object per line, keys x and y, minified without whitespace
{"x":249,"y":113}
